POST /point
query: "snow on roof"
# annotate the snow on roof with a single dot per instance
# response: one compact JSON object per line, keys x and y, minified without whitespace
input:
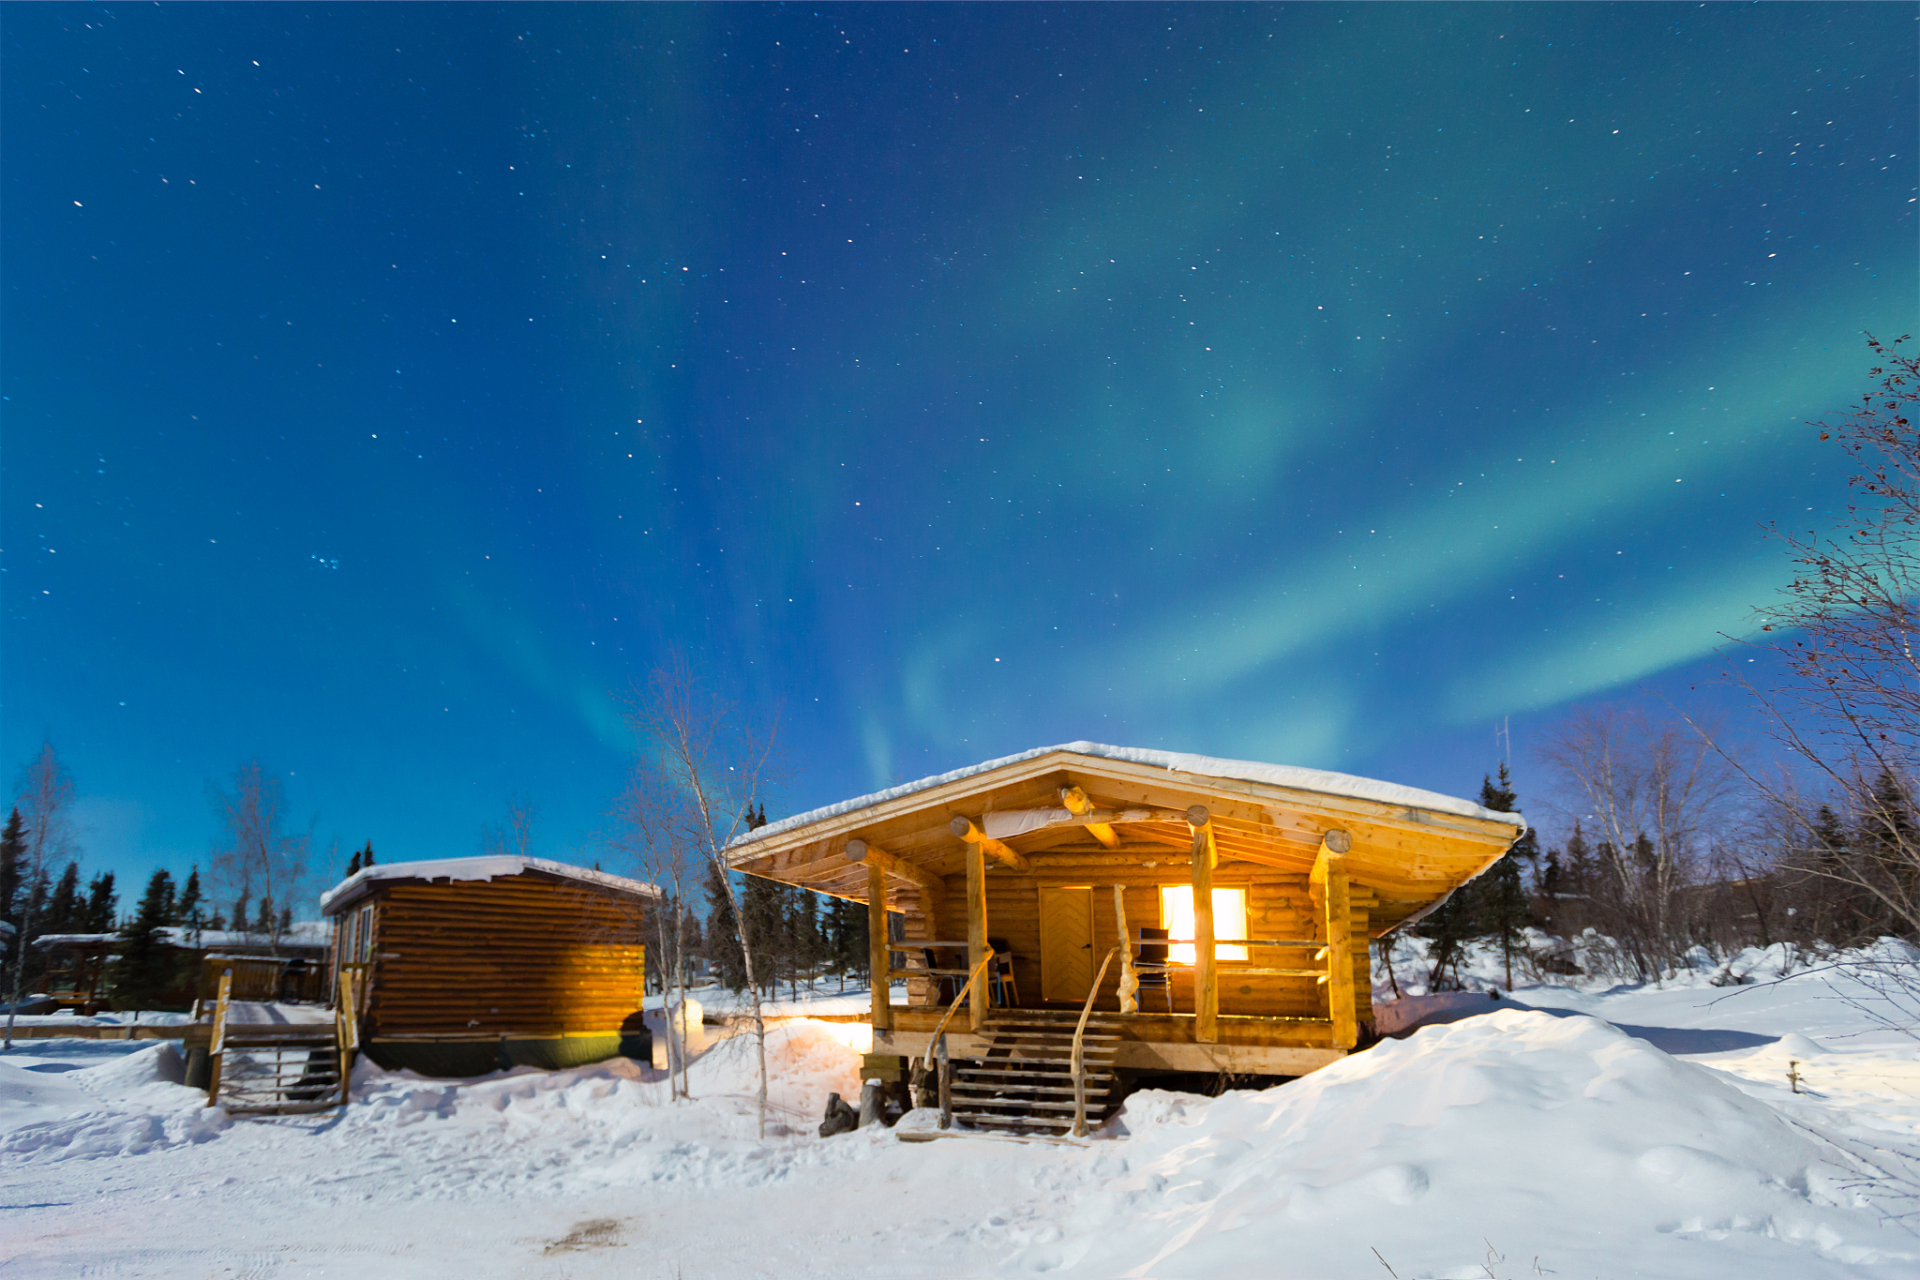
{"x":1278,"y":775}
{"x":484,"y":867}
{"x":302,"y":933}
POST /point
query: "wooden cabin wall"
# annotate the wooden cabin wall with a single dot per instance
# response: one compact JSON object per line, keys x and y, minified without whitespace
{"x":1279,"y":906}
{"x":512,"y":956}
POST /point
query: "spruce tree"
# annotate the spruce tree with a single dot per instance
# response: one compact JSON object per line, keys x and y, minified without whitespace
{"x":728,"y":965}
{"x":763,"y":907}
{"x":66,"y":912}
{"x":187,"y":907}
{"x":1503,"y":896}
{"x":13,"y":852}
{"x":353,"y":864}
{"x":102,"y":904}
{"x":145,"y":968}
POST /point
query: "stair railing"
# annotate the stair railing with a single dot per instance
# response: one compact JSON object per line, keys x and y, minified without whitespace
{"x":937,"y":1044}
{"x":1079,"y":1058}
{"x":966,"y":988}
{"x":217,"y":1045}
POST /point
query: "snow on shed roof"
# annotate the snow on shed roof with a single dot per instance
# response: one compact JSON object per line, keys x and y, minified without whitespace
{"x":1278,"y":775}
{"x":484,"y":867}
{"x":301,"y":933}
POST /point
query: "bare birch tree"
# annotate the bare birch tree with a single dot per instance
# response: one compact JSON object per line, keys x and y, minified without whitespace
{"x":45,"y":803}
{"x":513,"y":834}
{"x":257,"y":856}
{"x":1847,"y":711}
{"x":1648,"y":791}
{"x":719,"y":760}
{"x":651,"y":830}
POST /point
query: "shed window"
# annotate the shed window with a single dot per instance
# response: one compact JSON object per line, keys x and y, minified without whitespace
{"x":1176,"y":917}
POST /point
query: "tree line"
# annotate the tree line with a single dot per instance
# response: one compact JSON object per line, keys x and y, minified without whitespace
{"x":1681,"y":841}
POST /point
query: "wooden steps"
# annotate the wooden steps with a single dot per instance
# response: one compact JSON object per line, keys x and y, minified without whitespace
{"x":278,"y":1069}
{"x":1024,"y":1084}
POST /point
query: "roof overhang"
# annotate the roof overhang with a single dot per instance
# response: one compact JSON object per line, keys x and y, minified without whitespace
{"x":1411,"y":847}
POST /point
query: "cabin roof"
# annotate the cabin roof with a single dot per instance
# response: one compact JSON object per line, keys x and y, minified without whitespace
{"x":485,"y":867}
{"x":1413,"y":847}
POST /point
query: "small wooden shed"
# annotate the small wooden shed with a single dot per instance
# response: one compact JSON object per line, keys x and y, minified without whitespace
{"x":1233,"y":899}
{"x":474,"y":963}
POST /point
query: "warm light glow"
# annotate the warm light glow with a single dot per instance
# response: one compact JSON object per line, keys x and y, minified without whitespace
{"x":1176,"y":917}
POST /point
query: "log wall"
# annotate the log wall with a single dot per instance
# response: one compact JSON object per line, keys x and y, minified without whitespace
{"x":1279,"y":906}
{"x":514,"y":956}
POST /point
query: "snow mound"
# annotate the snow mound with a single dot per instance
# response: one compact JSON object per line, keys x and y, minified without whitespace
{"x":134,"y":1104}
{"x":1468,"y":1137}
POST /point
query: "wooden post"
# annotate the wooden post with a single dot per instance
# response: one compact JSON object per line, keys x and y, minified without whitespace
{"x":879,"y":961}
{"x":1332,"y":865}
{"x":945,"y":1082}
{"x":1129,"y":981}
{"x":977,"y":946}
{"x":1206,"y":978}
{"x":219,"y":1040}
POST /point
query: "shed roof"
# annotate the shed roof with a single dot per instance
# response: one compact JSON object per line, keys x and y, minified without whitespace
{"x":484,"y":867}
{"x":1412,"y":846}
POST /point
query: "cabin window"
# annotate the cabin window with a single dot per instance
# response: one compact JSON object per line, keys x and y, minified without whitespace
{"x":1176,"y":917}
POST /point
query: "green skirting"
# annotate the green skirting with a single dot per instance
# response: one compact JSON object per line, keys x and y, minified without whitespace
{"x":479,"y":1057}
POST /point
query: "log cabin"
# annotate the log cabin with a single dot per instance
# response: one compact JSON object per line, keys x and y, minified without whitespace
{"x":471,"y":964}
{"x":1095,"y":910}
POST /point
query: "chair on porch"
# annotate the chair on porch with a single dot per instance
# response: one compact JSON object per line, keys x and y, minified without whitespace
{"x":1151,"y":969}
{"x":946,"y":986}
{"x":1005,"y":993}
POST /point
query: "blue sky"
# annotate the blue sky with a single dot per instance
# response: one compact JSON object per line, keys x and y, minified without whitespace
{"x":388,"y":386}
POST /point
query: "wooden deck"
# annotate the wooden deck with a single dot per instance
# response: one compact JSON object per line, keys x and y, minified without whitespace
{"x":1155,"y":1042}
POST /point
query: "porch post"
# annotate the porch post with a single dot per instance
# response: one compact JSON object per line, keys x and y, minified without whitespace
{"x":879,"y":960}
{"x":1340,"y":1001}
{"x":1206,"y":980}
{"x":977,"y":933}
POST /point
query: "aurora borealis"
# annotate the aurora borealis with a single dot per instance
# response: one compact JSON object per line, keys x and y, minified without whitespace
{"x":387,"y":386}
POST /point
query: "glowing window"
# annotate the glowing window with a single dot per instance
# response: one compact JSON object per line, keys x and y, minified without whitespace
{"x":1176,"y":917}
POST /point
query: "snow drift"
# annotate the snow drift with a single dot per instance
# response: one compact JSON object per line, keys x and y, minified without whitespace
{"x":1515,"y":1135}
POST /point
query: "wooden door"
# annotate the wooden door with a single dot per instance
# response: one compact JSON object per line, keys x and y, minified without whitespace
{"x":1066,"y":943}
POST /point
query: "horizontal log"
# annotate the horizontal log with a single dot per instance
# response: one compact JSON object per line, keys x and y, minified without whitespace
{"x":967,"y":830}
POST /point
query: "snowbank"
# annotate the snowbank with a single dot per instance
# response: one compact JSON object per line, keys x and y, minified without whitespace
{"x":130,"y":1104}
{"x":1516,"y":1135}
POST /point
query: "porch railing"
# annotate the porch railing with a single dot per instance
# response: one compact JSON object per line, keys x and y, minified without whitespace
{"x":937,"y":1043}
{"x":1078,"y":1059}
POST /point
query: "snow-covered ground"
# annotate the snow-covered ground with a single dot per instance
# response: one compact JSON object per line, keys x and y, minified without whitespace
{"x":1647,"y":1131}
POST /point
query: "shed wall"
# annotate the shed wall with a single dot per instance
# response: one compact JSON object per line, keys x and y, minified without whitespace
{"x":514,"y":956}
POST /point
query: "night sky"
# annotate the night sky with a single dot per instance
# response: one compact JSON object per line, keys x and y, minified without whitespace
{"x":387,"y":386}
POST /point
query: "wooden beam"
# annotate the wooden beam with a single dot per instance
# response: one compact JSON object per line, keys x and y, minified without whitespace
{"x":1078,"y":805}
{"x":1330,"y":869}
{"x":969,"y":831}
{"x":878,"y":961}
{"x":1206,"y":974}
{"x":977,"y":933}
{"x":931,"y":886}
{"x":1129,"y":981}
